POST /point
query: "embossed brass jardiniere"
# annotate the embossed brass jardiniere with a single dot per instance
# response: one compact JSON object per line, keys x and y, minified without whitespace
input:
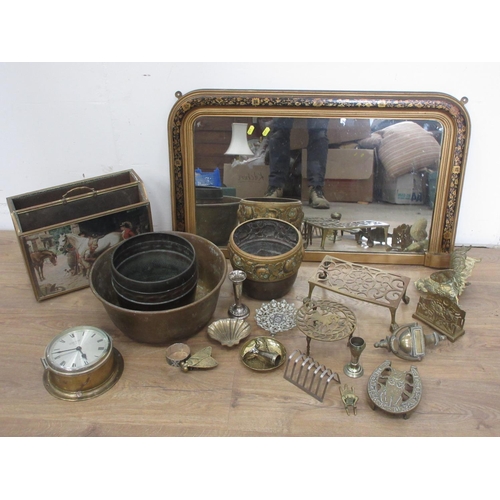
{"x":270,"y":252}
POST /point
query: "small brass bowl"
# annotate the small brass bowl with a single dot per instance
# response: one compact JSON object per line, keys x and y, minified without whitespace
{"x":229,"y":331}
{"x":263,"y":354}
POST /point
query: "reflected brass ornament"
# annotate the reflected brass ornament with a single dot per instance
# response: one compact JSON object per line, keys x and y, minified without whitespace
{"x":450,"y":282}
{"x":395,"y":391}
{"x":307,"y":374}
{"x":442,"y":314}
{"x":348,"y":398}
{"x":201,"y":360}
{"x":401,"y":238}
{"x":409,"y":342}
{"x":362,"y":283}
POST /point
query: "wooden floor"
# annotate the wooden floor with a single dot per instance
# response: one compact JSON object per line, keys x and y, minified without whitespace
{"x":461,"y":380}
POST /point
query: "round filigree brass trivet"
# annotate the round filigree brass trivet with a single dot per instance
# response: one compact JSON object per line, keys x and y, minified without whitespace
{"x":325,"y":320}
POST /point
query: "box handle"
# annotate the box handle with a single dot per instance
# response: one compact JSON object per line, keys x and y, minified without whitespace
{"x":81,"y":188}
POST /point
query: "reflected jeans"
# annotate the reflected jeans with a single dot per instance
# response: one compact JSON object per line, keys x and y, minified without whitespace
{"x":279,"y":151}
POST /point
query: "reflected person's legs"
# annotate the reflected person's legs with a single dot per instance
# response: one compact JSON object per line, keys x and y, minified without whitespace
{"x":279,"y":155}
{"x":317,"y":154}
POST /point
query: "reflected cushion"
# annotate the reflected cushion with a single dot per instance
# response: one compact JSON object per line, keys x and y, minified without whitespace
{"x":406,"y":147}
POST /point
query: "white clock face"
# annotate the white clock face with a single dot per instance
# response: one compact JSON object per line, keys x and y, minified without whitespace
{"x":78,"y":349}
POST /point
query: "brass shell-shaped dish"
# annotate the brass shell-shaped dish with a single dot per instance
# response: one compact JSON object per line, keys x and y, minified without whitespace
{"x":229,"y":331}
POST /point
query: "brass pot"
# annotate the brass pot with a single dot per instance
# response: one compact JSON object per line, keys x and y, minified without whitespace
{"x":165,"y":326}
{"x":270,"y":251}
{"x":216,"y":218}
{"x":287,"y":209}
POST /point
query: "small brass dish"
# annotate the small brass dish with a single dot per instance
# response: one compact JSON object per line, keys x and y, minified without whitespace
{"x":229,"y":331}
{"x":263,"y":354}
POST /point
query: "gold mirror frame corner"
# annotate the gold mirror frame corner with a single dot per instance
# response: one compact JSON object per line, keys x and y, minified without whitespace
{"x":446,"y":109}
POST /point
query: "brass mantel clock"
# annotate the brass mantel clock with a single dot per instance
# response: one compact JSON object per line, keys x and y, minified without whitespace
{"x":81,"y":363}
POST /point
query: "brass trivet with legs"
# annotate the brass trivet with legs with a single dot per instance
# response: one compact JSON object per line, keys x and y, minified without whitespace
{"x":324,"y":320}
{"x":363,"y":283}
{"x":330,"y":228}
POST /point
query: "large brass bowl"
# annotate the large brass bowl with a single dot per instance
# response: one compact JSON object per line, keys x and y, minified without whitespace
{"x":165,"y":326}
{"x":287,"y":209}
{"x":270,"y":251}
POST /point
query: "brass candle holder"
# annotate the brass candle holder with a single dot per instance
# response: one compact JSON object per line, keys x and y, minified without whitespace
{"x":356,"y":346}
{"x":238,"y":309}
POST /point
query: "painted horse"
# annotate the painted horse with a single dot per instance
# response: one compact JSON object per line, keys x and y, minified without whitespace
{"x":86,"y":250}
{"x":39,"y":257}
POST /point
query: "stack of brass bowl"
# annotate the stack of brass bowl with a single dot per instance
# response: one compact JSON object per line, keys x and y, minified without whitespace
{"x":168,"y":325}
{"x":270,"y":251}
{"x":154,"y":271}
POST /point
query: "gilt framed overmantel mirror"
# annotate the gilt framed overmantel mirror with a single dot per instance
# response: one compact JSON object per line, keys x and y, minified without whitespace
{"x":393,"y":173}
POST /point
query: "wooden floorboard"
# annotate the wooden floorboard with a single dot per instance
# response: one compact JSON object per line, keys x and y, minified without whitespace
{"x":461,"y":382}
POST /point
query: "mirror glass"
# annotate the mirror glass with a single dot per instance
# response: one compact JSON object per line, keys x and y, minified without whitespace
{"x":389,"y":174}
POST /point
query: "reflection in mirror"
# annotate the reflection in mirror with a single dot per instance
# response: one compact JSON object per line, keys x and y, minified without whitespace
{"x":395,"y":166}
{"x":366,"y":184}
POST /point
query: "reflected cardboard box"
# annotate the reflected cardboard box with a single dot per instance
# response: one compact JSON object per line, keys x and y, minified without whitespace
{"x":407,"y":189}
{"x":348,"y":177}
{"x":248,"y":181}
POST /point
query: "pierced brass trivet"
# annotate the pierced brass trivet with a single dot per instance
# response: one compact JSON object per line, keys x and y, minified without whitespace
{"x":324,"y":320}
{"x":395,"y":391}
{"x":363,"y":283}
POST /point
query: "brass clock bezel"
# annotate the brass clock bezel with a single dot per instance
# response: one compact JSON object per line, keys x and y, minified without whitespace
{"x":82,"y":384}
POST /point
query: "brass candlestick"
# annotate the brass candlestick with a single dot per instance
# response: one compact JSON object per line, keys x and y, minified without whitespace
{"x":238,"y":310}
{"x":356,"y":346}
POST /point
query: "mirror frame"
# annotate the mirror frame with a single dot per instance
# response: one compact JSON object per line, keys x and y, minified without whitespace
{"x":450,"y":112}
